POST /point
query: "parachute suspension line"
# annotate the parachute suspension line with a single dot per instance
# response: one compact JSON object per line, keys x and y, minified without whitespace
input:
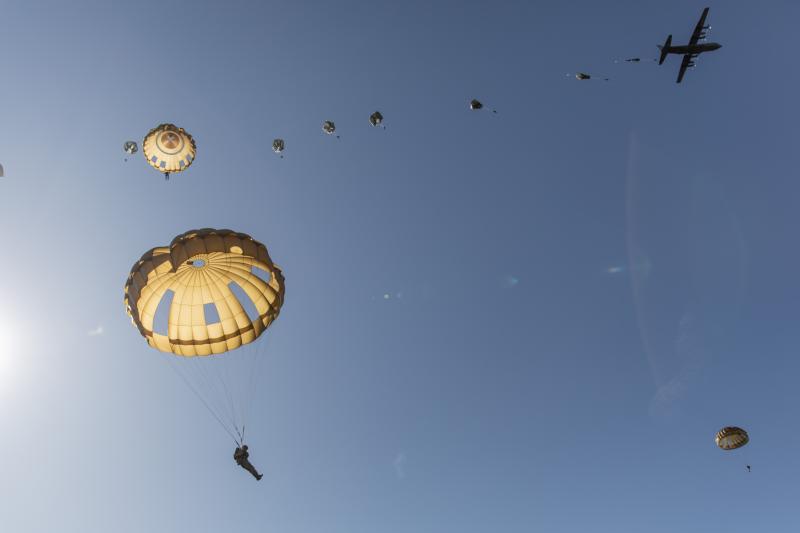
{"x":210,"y":410}
{"x":250,"y":370}
{"x":227,"y":393}
{"x":246,"y":367}
{"x":746,"y":458}
{"x":201,"y":379}
{"x":232,"y":406}
{"x":210,"y":392}
{"x":215,"y":391}
{"x":253,"y":373}
{"x":237,"y":398}
{"x":226,"y":382}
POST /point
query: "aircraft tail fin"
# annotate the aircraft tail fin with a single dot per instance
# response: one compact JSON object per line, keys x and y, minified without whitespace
{"x":665,"y":49}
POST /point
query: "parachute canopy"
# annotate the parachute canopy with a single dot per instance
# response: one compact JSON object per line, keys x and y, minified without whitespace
{"x":169,"y":148}
{"x":475,"y":105}
{"x":195,"y":276}
{"x":278,"y":145}
{"x":130,"y":147}
{"x":730,"y":438}
{"x":376,"y":118}
{"x":328,"y":127}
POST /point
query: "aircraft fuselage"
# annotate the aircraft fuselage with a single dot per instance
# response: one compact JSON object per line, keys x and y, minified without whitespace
{"x":695,"y":49}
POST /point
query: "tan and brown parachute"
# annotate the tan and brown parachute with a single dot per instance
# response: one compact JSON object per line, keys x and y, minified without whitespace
{"x":169,"y":149}
{"x":731,"y":438}
{"x":199,"y":268}
{"x":207,"y":293}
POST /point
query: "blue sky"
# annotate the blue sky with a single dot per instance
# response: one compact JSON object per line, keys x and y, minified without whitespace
{"x":583,"y":288}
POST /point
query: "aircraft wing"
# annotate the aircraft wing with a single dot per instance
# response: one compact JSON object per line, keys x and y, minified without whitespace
{"x":688,"y":61}
{"x":700,"y":29}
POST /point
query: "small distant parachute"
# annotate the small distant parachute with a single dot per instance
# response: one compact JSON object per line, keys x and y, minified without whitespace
{"x":582,"y":76}
{"x":130,"y":148}
{"x":329,"y":128}
{"x":476,"y":105}
{"x":169,"y":148}
{"x":1,"y":172}
{"x":376,"y":119}
{"x":731,"y":438}
{"x":277,"y":146}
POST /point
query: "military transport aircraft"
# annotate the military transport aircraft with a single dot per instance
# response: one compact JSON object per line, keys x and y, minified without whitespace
{"x":691,"y":50}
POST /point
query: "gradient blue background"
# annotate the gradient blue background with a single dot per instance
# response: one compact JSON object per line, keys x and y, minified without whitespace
{"x":582,"y":288}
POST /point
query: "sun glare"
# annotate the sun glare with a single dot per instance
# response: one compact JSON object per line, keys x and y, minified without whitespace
{"x":5,"y":353}
{"x":9,"y":352}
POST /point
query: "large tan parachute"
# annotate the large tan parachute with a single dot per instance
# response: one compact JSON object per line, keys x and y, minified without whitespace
{"x":200,"y":267}
{"x":730,"y":438}
{"x":169,"y":148}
